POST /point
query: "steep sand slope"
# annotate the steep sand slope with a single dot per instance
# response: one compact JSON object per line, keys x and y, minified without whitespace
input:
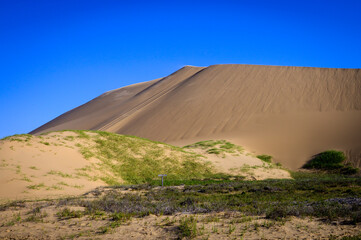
{"x":288,"y":112}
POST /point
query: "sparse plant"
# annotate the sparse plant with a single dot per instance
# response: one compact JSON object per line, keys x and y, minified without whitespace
{"x":188,"y":227}
{"x":265,"y":158}
{"x":66,"y":213}
{"x":36,"y":186}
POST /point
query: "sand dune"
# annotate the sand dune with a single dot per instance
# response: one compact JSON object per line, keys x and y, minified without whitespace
{"x":290,"y":113}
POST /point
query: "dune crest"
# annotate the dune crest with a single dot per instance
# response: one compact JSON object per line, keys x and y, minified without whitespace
{"x":290,"y":113}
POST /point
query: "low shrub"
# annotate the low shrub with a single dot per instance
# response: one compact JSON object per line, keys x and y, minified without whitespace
{"x":265,"y":158}
{"x":328,"y":160}
{"x":188,"y":227}
{"x":66,"y":213}
{"x":331,"y":161}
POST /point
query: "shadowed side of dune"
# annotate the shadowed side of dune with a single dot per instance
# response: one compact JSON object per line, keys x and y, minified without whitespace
{"x":291,"y":113}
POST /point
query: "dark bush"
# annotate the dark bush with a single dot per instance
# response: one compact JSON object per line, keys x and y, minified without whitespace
{"x":348,"y":170}
{"x":328,"y":160}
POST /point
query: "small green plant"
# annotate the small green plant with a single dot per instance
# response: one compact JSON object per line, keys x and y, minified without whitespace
{"x":188,"y":227}
{"x":61,"y":174}
{"x":36,"y":215}
{"x":36,"y":186}
{"x":18,"y":169}
{"x":34,"y":168}
{"x":265,"y":158}
{"x":121,"y":217}
{"x":63,"y":183}
{"x":218,"y":147}
{"x":231,"y":229}
{"x":213,"y":151}
{"x":16,"y":218}
{"x":66,"y":213}
{"x":25,"y":178}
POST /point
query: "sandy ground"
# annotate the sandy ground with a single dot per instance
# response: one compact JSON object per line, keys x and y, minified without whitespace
{"x":42,"y":168}
{"x":17,"y":224}
{"x":290,"y":113}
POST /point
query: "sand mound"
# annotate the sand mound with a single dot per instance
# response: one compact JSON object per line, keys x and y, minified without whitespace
{"x":73,"y":162}
{"x":290,"y":113}
{"x":235,"y":160}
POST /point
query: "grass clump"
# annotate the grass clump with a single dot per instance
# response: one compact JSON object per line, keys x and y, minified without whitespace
{"x":265,"y":158}
{"x":36,"y":215}
{"x":45,"y":143}
{"x":66,"y":213}
{"x":60,"y":174}
{"x":218,"y":147}
{"x":19,"y":137}
{"x":16,"y":219}
{"x":331,"y":161}
{"x":120,"y":217}
{"x":188,"y":227}
{"x":36,"y":186}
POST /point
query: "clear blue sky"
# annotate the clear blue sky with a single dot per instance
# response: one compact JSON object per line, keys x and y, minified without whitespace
{"x":59,"y":54}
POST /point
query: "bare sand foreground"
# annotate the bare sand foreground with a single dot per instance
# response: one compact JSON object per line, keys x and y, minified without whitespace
{"x":290,"y":113}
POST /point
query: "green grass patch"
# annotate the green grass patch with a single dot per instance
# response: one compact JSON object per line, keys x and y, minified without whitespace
{"x":36,"y":186}
{"x":136,"y":160}
{"x":45,"y":143}
{"x":61,"y":174}
{"x":332,"y":161}
{"x":18,"y":137}
{"x":265,"y":158}
{"x":188,"y":228}
{"x":325,"y":197}
{"x":218,"y":147}
{"x":66,"y":213}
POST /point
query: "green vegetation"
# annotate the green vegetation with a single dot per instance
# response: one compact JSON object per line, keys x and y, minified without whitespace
{"x":332,"y":161}
{"x":136,"y":160}
{"x":25,"y":178}
{"x":61,"y":174}
{"x":329,"y":197}
{"x":322,"y":196}
{"x":19,"y":137}
{"x":121,"y":217}
{"x":354,"y":237}
{"x":265,"y":158}
{"x":66,"y":213}
{"x":36,"y":215}
{"x":16,"y":218}
{"x":36,"y":186}
{"x":54,"y":187}
{"x":188,"y":227}
{"x":219,"y":147}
